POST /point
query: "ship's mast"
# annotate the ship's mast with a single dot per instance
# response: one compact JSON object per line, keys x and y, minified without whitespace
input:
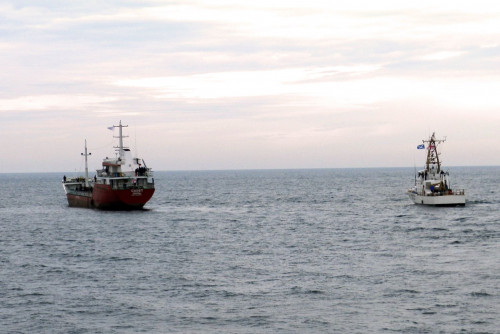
{"x":432,"y":152}
{"x":86,"y":165}
{"x":120,"y":138}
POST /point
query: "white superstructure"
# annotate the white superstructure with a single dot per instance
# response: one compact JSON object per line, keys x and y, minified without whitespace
{"x":124,"y":165}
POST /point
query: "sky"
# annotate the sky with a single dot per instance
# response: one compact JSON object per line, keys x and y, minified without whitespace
{"x":233,"y":84}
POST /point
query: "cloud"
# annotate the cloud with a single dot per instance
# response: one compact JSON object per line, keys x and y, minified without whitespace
{"x":44,"y":102}
{"x":268,"y":81}
{"x":242,"y":83}
{"x":442,"y":55}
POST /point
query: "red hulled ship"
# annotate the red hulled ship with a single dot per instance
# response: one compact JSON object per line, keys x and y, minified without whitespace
{"x":123,"y":183}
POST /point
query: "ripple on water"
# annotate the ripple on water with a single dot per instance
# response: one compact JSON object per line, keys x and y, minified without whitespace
{"x":252,"y":252}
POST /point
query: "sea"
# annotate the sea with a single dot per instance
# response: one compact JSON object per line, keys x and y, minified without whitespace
{"x":253,"y":251}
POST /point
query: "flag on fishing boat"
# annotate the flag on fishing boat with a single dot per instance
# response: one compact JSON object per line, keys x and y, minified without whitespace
{"x":420,"y":147}
{"x":111,"y":127}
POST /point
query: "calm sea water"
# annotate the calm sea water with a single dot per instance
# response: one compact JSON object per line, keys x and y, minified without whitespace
{"x":282,"y":251}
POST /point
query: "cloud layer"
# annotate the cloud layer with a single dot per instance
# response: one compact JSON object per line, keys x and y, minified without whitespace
{"x":235,"y":84}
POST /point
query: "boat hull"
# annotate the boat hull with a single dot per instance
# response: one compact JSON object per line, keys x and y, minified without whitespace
{"x":438,"y":200}
{"x":79,"y":201}
{"x":104,"y":197}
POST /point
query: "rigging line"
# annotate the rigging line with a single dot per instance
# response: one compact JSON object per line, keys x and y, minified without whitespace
{"x":135,"y":142}
{"x":98,"y":148}
{"x":79,"y":170}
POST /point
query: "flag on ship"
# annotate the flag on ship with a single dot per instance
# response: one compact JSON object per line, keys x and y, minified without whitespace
{"x":420,"y":147}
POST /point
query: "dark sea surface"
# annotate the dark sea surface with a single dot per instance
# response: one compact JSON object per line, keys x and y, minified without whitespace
{"x":280,"y":251}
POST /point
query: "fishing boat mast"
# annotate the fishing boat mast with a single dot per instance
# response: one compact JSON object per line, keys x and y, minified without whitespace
{"x":432,"y":152}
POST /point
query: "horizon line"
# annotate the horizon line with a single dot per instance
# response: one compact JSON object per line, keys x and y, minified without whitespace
{"x":258,"y":169}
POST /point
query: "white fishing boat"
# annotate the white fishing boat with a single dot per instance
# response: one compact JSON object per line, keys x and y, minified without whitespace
{"x":432,"y":184}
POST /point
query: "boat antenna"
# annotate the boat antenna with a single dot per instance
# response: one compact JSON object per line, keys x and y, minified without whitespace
{"x":136,"y":150}
{"x":415,"y":167}
{"x":86,"y":154}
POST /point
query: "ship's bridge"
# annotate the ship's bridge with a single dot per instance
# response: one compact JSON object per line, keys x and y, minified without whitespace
{"x":124,"y":166}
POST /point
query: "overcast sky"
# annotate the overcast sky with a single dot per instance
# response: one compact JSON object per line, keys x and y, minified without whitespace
{"x":233,"y":84}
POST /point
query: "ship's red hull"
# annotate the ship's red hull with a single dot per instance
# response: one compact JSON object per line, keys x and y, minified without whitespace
{"x":104,"y":197}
